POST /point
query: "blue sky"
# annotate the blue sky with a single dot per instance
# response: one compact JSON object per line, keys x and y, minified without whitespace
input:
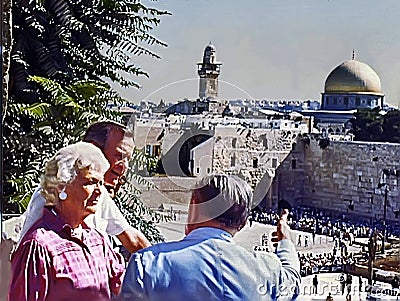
{"x":271,"y":49}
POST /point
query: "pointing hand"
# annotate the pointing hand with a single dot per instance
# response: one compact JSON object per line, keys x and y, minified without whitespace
{"x":283,"y":229}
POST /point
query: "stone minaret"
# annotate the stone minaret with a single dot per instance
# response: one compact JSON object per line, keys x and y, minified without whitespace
{"x":208,"y":72}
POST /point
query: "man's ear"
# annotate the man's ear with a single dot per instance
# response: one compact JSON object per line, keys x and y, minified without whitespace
{"x":194,"y":216}
{"x":191,"y":218}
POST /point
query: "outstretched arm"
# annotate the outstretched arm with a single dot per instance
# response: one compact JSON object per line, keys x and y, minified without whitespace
{"x":133,"y":239}
{"x":289,"y":279}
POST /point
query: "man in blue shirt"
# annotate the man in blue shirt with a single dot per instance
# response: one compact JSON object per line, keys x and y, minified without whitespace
{"x":206,"y":265}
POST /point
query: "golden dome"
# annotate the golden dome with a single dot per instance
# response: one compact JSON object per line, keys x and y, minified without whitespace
{"x":353,"y":77}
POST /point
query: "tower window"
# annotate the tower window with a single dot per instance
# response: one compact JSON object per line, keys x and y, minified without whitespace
{"x":149,"y":149}
{"x":265,"y":142}
{"x":234,"y":140}
{"x":255,"y":162}
{"x":294,"y":163}
{"x":156,"y":150}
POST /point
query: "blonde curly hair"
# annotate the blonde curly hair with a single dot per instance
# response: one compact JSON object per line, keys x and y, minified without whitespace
{"x":63,"y":168}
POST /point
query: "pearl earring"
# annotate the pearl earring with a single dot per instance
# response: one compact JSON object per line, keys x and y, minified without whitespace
{"x":62,"y":195}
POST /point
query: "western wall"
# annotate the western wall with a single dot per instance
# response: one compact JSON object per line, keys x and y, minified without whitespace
{"x":348,"y":177}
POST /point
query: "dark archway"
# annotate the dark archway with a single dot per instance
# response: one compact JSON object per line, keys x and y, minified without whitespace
{"x":184,"y":151}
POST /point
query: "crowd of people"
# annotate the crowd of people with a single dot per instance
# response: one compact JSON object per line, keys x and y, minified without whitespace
{"x":314,"y":221}
{"x":317,"y":221}
{"x":323,"y":263}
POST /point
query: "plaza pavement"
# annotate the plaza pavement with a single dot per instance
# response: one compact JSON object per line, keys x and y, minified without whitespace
{"x":249,"y":237}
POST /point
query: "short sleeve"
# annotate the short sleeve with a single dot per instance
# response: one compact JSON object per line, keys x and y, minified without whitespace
{"x":116,"y":268}
{"x":108,"y":218}
{"x":30,"y":272}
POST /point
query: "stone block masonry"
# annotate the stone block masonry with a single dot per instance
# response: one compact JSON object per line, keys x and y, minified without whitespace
{"x":344,"y":173}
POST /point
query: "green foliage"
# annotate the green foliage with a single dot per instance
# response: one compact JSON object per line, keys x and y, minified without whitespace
{"x":143,"y":161}
{"x":80,"y":40}
{"x":139,"y":216}
{"x":128,"y":200}
{"x":63,"y":53}
{"x":373,"y":125}
{"x":59,"y":119}
{"x":391,"y":126}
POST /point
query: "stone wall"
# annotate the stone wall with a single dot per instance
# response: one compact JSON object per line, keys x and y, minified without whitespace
{"x":343,"y":176}
{"x":250,"y":152}
{"x":167,"y":190}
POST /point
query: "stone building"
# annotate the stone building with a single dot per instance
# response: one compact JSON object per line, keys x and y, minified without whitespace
{"x":349,"y":178}
{"x":252,"y":153}
{"x":188,"y":107}
{"x":352,"y":85}
{"x":200,"y":145}
{"x":209,"y":70}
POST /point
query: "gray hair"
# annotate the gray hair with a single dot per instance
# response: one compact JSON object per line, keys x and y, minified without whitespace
{"x":224,"y":198}
{"x":63,"y":167}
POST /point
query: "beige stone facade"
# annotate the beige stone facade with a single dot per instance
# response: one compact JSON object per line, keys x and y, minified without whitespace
{"x":342,"y":174}
{"x":250,"y":152}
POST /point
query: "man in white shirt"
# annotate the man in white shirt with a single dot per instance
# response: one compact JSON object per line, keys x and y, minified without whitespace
{"x":116,"y":143}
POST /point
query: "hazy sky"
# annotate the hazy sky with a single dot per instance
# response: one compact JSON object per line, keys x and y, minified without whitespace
{"x":271,"y":49}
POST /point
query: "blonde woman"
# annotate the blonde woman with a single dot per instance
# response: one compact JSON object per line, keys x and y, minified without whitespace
{"x":60,"y":257}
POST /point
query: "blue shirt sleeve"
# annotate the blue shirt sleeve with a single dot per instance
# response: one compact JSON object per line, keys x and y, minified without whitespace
{"x":133,"y":286}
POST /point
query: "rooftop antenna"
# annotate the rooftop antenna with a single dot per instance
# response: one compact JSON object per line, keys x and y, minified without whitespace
{"x":353,"y":57}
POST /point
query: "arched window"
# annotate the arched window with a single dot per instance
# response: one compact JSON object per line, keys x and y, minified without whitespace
{"x":234,"y":140}
{"x":255,"y":162}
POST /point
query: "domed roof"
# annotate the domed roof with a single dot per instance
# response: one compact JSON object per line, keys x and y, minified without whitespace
{"x":209,"y":47}
{"x":353,"y":77}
